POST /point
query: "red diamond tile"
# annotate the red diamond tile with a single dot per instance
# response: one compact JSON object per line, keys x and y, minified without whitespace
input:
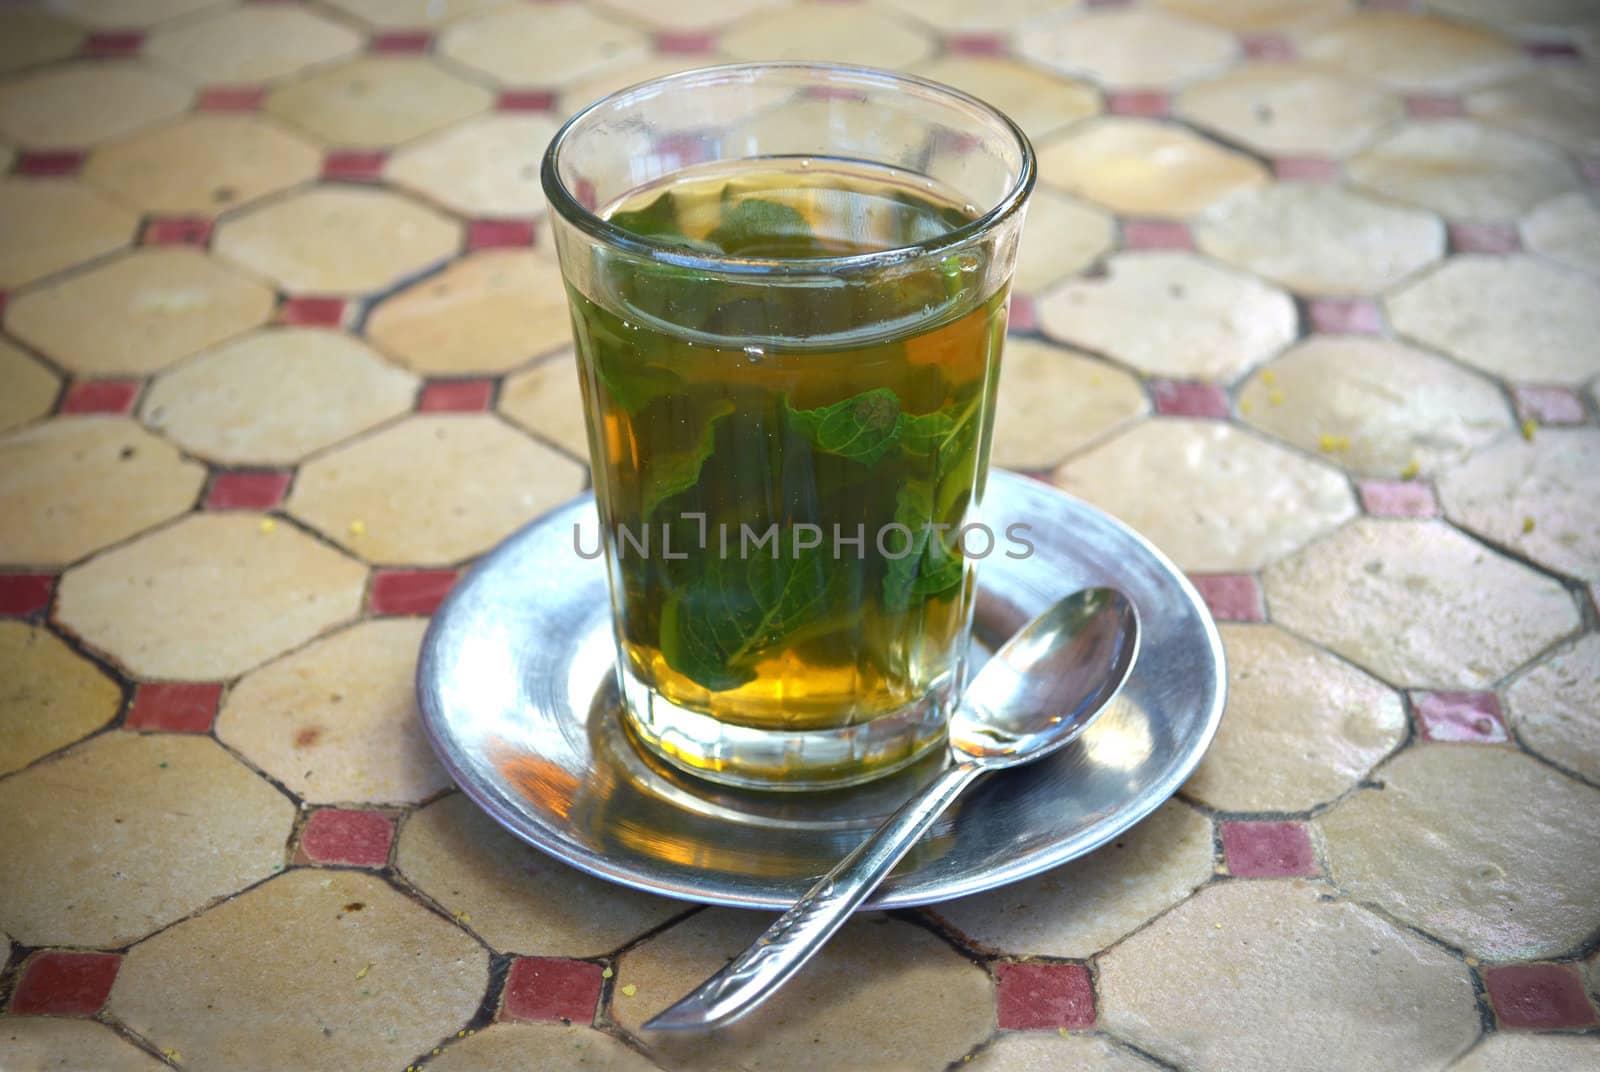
{"x":85,"y":397}
{"x":174,"y":706}
{"x":1485,"y":237}
{"x":1305,"y":169}
{"x":526,"y":100}
{"x":489,"y":234}
{"x":176,"y":231}
{"x":672,"y":43}
{"x":247,"y":491}
{"x":1538,"y":996}
{"x":25,"y":594}
{"x":1151,"y":103}
{"x":1563,"y":51}
{"x":65,"y":984}
{"x":551,"y":988}
{"x":231,"y":98}
{"x":1044,"y":996}
{"x":1156,"y":234}
{"x":1268,"y":47}
{"x":1548,"y":405}
{"x":1429,"y":106}
{"x":1398,"y":498}
{"x":354,"y":167}
{"x":1022,"y":317}
{"x":50,"y":163}
{"x":118,"y":44}
{"x":1231,"y":597}
{"x":407,"y":592}
{"x":1459,"y":716}
{"x":456,"y":396}
{"x":312,"y":312}
{"x":1268,"y":850}
{"x":1345,"y":316}
{"x":401,"y":42}
{"x":977,"y":44}
{"x":1182,"y":398}
{"x":584,"y":191}
{"x":356,"y":838}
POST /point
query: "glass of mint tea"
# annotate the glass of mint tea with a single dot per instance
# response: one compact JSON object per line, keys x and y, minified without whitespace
{"x":788,"y":286}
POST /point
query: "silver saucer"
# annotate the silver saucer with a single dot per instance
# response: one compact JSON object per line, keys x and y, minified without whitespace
{"x":517,"y":695}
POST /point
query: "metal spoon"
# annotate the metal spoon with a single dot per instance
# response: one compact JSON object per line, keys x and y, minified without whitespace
{"x":1039,"y":691}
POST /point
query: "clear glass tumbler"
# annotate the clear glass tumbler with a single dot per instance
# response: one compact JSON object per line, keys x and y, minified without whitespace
{"x":789,"y":288}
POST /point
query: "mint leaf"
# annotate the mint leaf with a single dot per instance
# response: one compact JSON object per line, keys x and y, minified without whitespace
{"x":763,"y":228}
{"x":631,"y":380}
{"x":863,"y":427}
{"x":670,"y":472}
{"x":930,"y":568}
{"x":658,"y":220}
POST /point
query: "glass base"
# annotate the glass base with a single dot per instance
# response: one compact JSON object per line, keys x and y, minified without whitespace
{"x":784,"y":760}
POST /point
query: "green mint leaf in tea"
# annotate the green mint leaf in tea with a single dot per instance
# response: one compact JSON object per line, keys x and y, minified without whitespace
{"x":862,"y":427}
{"x":671,"y":472}
{"x":755,"y":227}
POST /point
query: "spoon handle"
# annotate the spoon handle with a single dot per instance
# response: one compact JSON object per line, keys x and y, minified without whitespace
{"x":800,"y":932}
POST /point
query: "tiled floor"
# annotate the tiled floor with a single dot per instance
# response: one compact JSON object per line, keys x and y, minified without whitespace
{"x":1310,"y":294}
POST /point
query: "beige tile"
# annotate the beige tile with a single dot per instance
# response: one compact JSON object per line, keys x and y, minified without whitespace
{"x":1229,"y":501}
{"x":1040,"y":103}
{"x":585,"y":91}
{"x":519,"y":899}
{"x":412,"y":14}
{"x":29,"y":38}
{"x":1053,"y":401}
{"x":1142,"y":167}
{"x":1540,"y":498}
{"x":1419,"y":604}
{"x":250,"y":44}
{"x":139,"y":313}
{"x":1081,"y":908}
{"x":1373,"y":406}
{"x":1035,"y":1052}
{"x":836,"y":33}
{"x":51,"y":695}
{"x":276,"y":395}
{"x":75,"y":486}
{"x":1464,"y":169}
{"x":1544,"y":323}
{"x":486,"y":167}
{"x":121,"y":15}
{"x":521,"y":45}
{"x":399,"y":497}
{"x":959,"y":16}
{"x":1172,"y":314}
{"x":547,"y":400}
{"x":84,"y":103}
{"x":336,"y":721}
{"x":209,"y":597}
{"x":1483,"y":847}
{"x":1062,"y":236}
{"x":1317,"y":239}
{"x":1415,"y":53}
{"x":1508,"y":1051}
{"x":31,"y":388}
{"x":377,"y":101}
{"x":127,"y":833}
{"x":1207,"y":987}
{"x":1552,"y":707}
{"x":1291,"y":109}
{"x":338,"y":240}
{"x":1567,"y":230}
{"x":51,"y":224}
{"x":46,"y":1042}
{"x":488,"y":312}
{"x":687,"y":15}
{"x":203,"y":165}
{"x":832,"y":1015}
{"x":1127,"y":47}
{"x":293,"y":975}
{"x":1257,"y":16}
{"x":1557,"y":103}
{"x":1301,"y":727}
{"x":514,"y":1047}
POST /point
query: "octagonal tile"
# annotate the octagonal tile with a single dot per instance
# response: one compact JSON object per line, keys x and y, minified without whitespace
{"x":338,"y":240}
{"x":29,"y":38}
{"x":292,"y":719}
{"x":547,"y":400}
{"x":488,"y":312}
{"x":1040,"y":103}
{"x":486,"y":167}
{"x":960,"y":17}
{"x":1172,"y":314}
{"x":45,"y":1041}
{"x":824,"y":1018}
{"x":209,"y":597}
{"x":126,"y":833}
{"x":75,"y":486}
{"x":1228,"y":500}
{"x":1083,"y":907}
{"x":1552,"y":707}
{"x":1483,"y":847}
{"x":836,"y":34}
{"x":1463,"y":169}
{"x":517,"y":898}
{"x":1418,"y":53}
{"x":513,"y":1047}
{"x":1301,"y":726}
{"x":1275,"y":975}
{"x":51,"y":224}
{"x":1419,"y":604}
{"x":1317,"y":239}
{"x":342,"y":972}
{"x":1290,"y":109}
{"x":1386,"y":406}
{"x":687,"y":15}
{"x":377,"y":101}
{"x":1054,"y":401}
{"x":1554,"y":481}
{"x":1540,"y":326}
{"x":1142,"y":167}
{"x":1557,"y":103}
{"x":432,"y":490}
{"x":1062,"y":236}
{"x":1127,"y":47}
{"x":255,"y":43}
{"x":31,"y":388}
{"x":1510,"y":1051}
{"x":409,"y":14}
{"x":1033,"y":1051}
{"x":1255,"y":16}
{"x":276,"y":395}
{"x":85,"y":103}
{"x":1566,"y":230}
{"x":120,"y":15}
{"x":584,"y":91}
{"x":202,"y":165}
{"x":51,"y":695}
{"x":541,"y":46}
{"x":139,"y":313}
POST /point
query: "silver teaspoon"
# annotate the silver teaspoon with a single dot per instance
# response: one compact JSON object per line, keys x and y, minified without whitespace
{"x":1039,"y":691}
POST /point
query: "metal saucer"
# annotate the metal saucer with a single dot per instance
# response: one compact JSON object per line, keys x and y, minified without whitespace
{"x":517,"y":696}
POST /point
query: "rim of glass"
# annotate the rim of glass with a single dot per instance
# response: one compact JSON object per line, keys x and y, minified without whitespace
{"x":571,"y":209}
